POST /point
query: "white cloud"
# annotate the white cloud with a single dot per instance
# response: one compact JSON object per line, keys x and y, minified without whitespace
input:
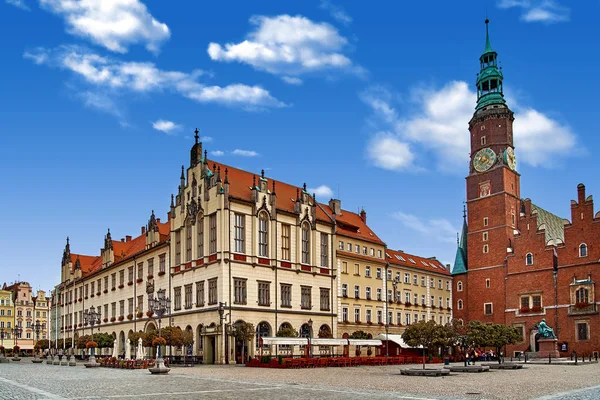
{"x":216,"y":153}
{"x":206,"y":139}
{"x":244,"y":153}
{"x":337,"y":12}
{"x":145,"y":77}
{"x":441,"y":229}
{"x":287,"y":45}
{"x":387,"y":152}
{"x":291,"y":80}
{"x":547,"y":11}
{"x":102,"y":102}
{"x":438,"y":128}
{"x":321,"y":191}
{"x":19,"y":4}
{"x":168,"y":127}
{"x":114,"y":24}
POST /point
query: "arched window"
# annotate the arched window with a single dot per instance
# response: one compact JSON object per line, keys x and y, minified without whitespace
{"x":529,"y":259}
{"x":460,"y":304}
{"x":263,"y":329}
{"x":582,"y":296}
{"x":263,"y":230}
{"x":325,"y":331}
{"x":583,"y":250}
{"x":305,"y":243}
{"x":305,"y":331}
{"x":459,"y":286}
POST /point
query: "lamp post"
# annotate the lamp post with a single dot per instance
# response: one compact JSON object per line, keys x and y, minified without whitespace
{"x":160,"y":305}
{"x":16,"y":333}
{"x":223,"y":316}
{"x":310,"y":324}
{"x":92,"y":317}
{"x":37,"y":328}
{"x":2,"y":357}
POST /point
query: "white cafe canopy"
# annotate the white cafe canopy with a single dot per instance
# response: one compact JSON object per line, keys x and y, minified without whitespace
{"x":394,"y":338}
{"x":319,"y":342}
{"x":364,"y":342}
{"x":284,"y":340}
{"x":328,"y":342}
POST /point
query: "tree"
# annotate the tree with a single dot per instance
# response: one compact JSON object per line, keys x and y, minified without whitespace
{"x":134,"y":336}
{"x":287,"y":331}
{"x":243,"y":331}
{"x":82,"y":341}
{"x":358,"y":335}
{"x":104,"y":340}
{"x":426,"y":334}
{"x":499,"y":336}
{"x":148,"y":337}
{"x":42,"y":344}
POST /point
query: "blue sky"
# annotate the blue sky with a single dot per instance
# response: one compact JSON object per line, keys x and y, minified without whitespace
{"x":366,"y":101}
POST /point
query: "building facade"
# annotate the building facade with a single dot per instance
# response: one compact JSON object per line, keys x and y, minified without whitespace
{"x":237,"y":248}
{"x":517,"y":263}
{"x":7,"y":318}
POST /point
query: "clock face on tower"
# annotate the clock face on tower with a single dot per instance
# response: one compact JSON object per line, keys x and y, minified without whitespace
{"x":484,"y":159}
{"x":510,"y":158}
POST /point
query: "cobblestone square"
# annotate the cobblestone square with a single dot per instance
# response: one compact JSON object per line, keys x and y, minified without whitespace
{"x":40,"y":381}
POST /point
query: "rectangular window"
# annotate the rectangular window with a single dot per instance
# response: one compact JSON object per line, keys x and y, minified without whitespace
{"x":389,"y":274}
{"x":525,"y":302}
{"x":213,"y":233}
{"x":378,"y":273}
{"x":416,"y":299}
{"x":177,"y":248}
{"x":390,"y":319}
{"x":486,"y":249}
{"x":365,"y":250}
{"x":407,"y":297}
{"x":488,"y":309}
{"x":440,"y":302}
{"x":130,"y":306}
{"x":305,"y":244}
{"x":399,"y":318}
{"x":378,"y":294}
{"x":357,"y":249}
{"x":407,"y":321}
{"x":356,"y":269}
{"x":99,"y":282}
{"x":341,"y":245}
{"x":212,"y":291}
{"x":286,"y":295}
{"x":406,"y":277}
{"x":379,"y":317}
{"x":431,"y":283}
{"x":423,"y":281}
{"x":367,"y":271}
{"x":200,"y":238}
{"x":188,"y":296}
{"x":357,"y":315}
{"x":140,"y":273}
{"x":349,"y":246}
{"x":188,"y":243}
{"x":177,"y":300}
{"x":368,"y":315}
{"x":447,"y":285}
{"x":422,"y":299}
{"x":239,"y":286}
{"x":368,"y":293}
{"x":263,"y":236}
{"x":344,"y":267}
{"x":487,"y":283}
{"x":379,"y":253}
{"x":140,"y":303}
{"x":372,"y":252}
{"x":238,"y":233}
{"x":264,"y":293}
{"x":324,"y":250}
{"x":113,"y":280}
{"x":305,"y":299}
{"x":324,"y":297}
{"x":162,"y":263}
{"x":582,"y":331}
{"x":536,"y":301}
{"x":122,"y":307}
{"x":121,"y":280}
{"x":285,"y":242}
{"x":440,"y":285}
{"x":200,"y":294}
{"x":150,"y":267}
{"x":129,"y":274}
{"x":345,"y":314}
{"x":485,"y":236}
{"x":485,"y":221}
{"x":113,"y":309}
{"x":344,"y":289}
{"x":415,"y":279}
{"x":356,"y":291}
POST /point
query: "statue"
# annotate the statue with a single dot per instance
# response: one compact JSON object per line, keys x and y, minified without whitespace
{"x":545,"y":331}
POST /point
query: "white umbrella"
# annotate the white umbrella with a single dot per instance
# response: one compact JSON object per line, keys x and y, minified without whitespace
{"x":128,"y":350}
{"x":114,"y":354}
{"x":140,"y":350}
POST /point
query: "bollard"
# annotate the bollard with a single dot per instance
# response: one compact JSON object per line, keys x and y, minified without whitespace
{"x":596,"y":356}
{"x":525,"y":358}
{"x":575,"y":358}
{"x":549,"y":359}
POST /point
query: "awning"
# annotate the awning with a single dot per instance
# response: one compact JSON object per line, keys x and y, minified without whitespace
{"x":364,"y":342}
{"x":329,"y":342}
{"x":394,"y":338}
{"x":284,"y":340}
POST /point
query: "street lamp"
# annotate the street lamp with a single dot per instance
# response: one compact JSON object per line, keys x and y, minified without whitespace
{"x":37,"y":327}
{"x":16,"y":333}
{"x":310,"y":324}
{"x":2,"y":343}
{"x":395,"y":283}
{"x":223,"y":316}
{"x":92,"y":317}
{"x":160,"y":305}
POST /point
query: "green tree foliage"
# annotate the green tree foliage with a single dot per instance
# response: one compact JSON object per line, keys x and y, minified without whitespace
{"x":176,"y":337}
{"x":427,"y":334}
{"x":243,"y":332}
{"x":188,"y":338}
{"x":499,"y":336}
{"x":359,"y":335}
{"x":287,"y":332}
{"x":477,"y":334}
{"x":42,"y":344}
{"x":148,"y":337}
{"x":134,"y":336}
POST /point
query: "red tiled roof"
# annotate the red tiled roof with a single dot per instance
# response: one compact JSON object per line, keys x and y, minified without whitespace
{"x":240,"y":186}
{"x":419,"y":262}
{"x":352,"y":225}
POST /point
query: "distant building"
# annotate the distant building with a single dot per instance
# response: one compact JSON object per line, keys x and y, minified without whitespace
{"x":7,"y":318}
{"x":517,"y":263}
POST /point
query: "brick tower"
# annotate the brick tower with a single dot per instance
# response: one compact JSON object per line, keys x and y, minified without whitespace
{"x":493,"y":199}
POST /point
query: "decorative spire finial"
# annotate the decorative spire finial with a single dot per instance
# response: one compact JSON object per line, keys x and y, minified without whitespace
{"x":262,"y":173}
{"x":464,"y":211}
{"x":304,"y":186}
{"x":182,"y":175}
{"x":226,"y":175}
{"x":253,"y":181}
{"x":172,"y":201}
{"x":196,"y":135}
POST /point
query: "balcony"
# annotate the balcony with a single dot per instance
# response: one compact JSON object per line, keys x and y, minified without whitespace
{"x":583,"y":309}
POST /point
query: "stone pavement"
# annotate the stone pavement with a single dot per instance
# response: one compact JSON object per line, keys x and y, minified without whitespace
{"x":25,"y":380}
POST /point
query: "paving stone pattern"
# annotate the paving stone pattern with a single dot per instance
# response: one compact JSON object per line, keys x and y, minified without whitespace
{"x":20,"y":381}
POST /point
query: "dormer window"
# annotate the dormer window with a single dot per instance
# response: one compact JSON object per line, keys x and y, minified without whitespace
{"x":529,"y":259}
{"x":583,"y":250}
{"x":483,"y":141}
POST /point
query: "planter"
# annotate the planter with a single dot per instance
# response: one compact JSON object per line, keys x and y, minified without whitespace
{"x":98,"y":293}
{"x":139,"y":315}
{"x":130,"y":316}
{"x":139,"y":280}
{"x":105,"y":291}
{"x":150,"y":277}
{"x":105,"y":320}
{"x":80,"y":299}
{"x":92,"y":295}
{"x":121,"y":286}
{"x":129,"y":283}
{"x":161,"y":273}
{"x":112,"y":319}
{"x":113,"y":289}
{"x":121,"y":318}
{"x":149,"y":314}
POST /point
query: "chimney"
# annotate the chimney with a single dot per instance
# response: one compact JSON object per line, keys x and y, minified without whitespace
{"x":448,"y":267}
{"x":158,"y":220}
{"x":581,"y":194}
{"x":143,"y":230}
{"x":363,"y":215}
{"x":128,"y":238}
{"x":122,"y":240}
{"x":336,"y":206}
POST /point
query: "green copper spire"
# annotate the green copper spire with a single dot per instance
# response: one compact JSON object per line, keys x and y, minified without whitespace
{"x":489,"y":79}
{"x":460,"y":262}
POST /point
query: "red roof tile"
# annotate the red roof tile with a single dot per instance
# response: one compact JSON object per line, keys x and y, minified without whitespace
{"x":403,"y":259}
{"x":352,"y":225}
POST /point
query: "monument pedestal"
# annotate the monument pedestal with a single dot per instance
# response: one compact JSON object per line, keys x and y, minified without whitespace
{"x":548,"y":348}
